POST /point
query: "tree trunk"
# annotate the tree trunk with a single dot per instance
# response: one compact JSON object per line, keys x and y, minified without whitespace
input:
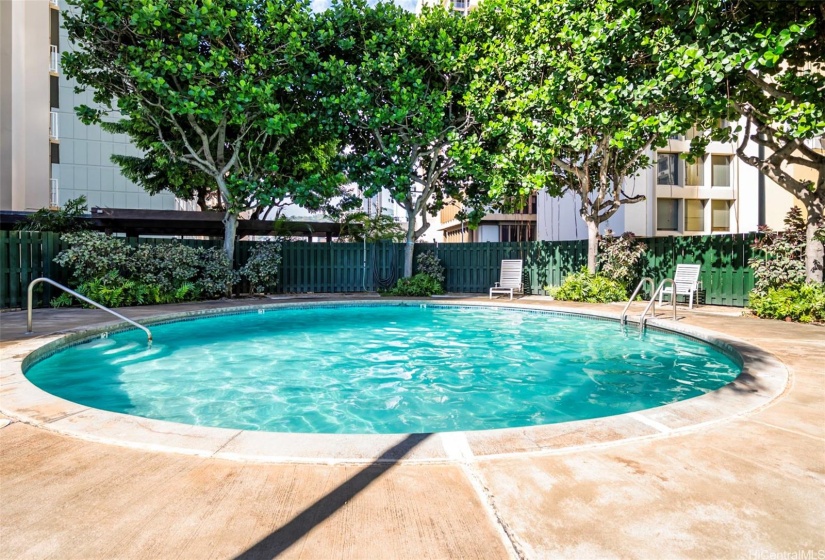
{"x":230,"y":227}
{"x":592,"y":244}
{"x":813,"y":250}
{"x":409,"y":245}
{"x":202,"y":200}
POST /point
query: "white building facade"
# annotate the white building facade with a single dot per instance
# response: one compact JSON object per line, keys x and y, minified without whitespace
{"x":47,"y":156}
{"x":717,"y":194}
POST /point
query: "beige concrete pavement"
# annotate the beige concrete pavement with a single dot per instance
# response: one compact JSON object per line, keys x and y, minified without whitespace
{"x":744,"y":488}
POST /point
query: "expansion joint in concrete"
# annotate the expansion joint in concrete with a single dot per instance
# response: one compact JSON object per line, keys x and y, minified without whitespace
{"x":457,"y":448}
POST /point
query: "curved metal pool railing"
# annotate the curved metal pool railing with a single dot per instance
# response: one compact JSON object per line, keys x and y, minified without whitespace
{"x":639,"y":286}
{"x":642,"y":317}
{"x":81,"y":298}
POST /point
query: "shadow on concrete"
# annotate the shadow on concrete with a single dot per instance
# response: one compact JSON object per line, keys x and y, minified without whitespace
{"x":274,"y":544}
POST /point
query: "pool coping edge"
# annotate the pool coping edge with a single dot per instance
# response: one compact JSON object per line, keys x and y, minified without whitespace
{"x":763,"y":379}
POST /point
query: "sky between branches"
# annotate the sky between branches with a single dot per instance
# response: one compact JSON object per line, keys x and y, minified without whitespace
{"x":321,"y":5}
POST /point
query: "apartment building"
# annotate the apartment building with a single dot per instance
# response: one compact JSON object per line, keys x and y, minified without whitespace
{"x":47,"y":156}
{"x":462,"y":6}
{"x":717,"y":194}
{"x":515,"y":226}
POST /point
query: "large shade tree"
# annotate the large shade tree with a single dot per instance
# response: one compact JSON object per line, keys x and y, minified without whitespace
{"x":397,"y":83}
{"x":763,"y":63}
{"x":217,"y":85}
{"x":572,"y":96}
{"x":156,"y":171}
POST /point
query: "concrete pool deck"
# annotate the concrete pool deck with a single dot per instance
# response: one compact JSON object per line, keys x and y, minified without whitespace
{"x":745,"y":487}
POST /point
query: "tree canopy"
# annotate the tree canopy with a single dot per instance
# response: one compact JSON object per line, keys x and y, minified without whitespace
{"x":218,"y":85}
{"x":398,"y":84}
{"x":763,"y":63}
{"x":573,"y":96}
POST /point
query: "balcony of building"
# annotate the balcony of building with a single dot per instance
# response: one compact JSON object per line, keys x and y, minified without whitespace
{"x":54,"y":194}
{"x":54,"y":60}
{"x":54,"y":133}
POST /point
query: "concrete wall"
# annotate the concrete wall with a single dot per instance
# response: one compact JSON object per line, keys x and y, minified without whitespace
{"x":24,"y":104}
{"x":558,"y":219}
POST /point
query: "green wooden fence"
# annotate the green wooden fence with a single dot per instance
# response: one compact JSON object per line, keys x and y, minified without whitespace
{"x":725,"y":275}
{"x":355,"y":267}
{"x":474,"y":267}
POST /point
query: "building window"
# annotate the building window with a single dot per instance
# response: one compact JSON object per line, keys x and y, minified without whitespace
{"x":695,"y":173}
{"x":517,"y":232}
{"x":668,"y":165}
{"x":720,"y":168}
{"x":695,"y":215}
{"x":54,"y":92}
{"x":667,"y":214}
{"x":720,"y":215}
{"x":519,"y":205}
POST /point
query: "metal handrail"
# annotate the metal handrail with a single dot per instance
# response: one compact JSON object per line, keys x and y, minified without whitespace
{"x":642,"y":282}
{"x":653,"y":302}
{"x":80,"y":297}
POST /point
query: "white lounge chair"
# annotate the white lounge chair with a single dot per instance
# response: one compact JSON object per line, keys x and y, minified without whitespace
{"x":510,"y":278}
{"x":685,"y":281}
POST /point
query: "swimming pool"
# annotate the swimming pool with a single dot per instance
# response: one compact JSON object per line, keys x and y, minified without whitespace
{"x":384,"y":368}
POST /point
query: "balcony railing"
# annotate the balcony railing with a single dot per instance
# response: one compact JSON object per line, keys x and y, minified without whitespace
{"x":186,"y":205}
{"x":54,"y":60}
{"x":53,"y":132}
{"x":54,"y":197}
{"x":54,"y":2}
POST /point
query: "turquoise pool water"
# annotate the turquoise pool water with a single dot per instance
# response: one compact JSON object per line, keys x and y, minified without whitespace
{"x":383,"y":369}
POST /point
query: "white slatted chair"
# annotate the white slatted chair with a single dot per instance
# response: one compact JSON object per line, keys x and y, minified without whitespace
{"x":510,"y":280}
{"x":685,"y":281}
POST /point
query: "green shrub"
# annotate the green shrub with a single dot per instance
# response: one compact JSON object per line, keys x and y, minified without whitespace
{"x":429,"y":264}
{"x":168,"y":265}
{"x":63,"y":300}
{"x":92,"y":255}
{"x":619,"y":257}
{"x":262,"y":267}
{"x":215,"y":275}
{"x":112,"y":290}
{"x":800,"y":302}
{"x":420,"y":285}
{"x":590,"y":288}
{"x":110,"y":272}
{"x":781,"y":255}
{"x":64,"y":220}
